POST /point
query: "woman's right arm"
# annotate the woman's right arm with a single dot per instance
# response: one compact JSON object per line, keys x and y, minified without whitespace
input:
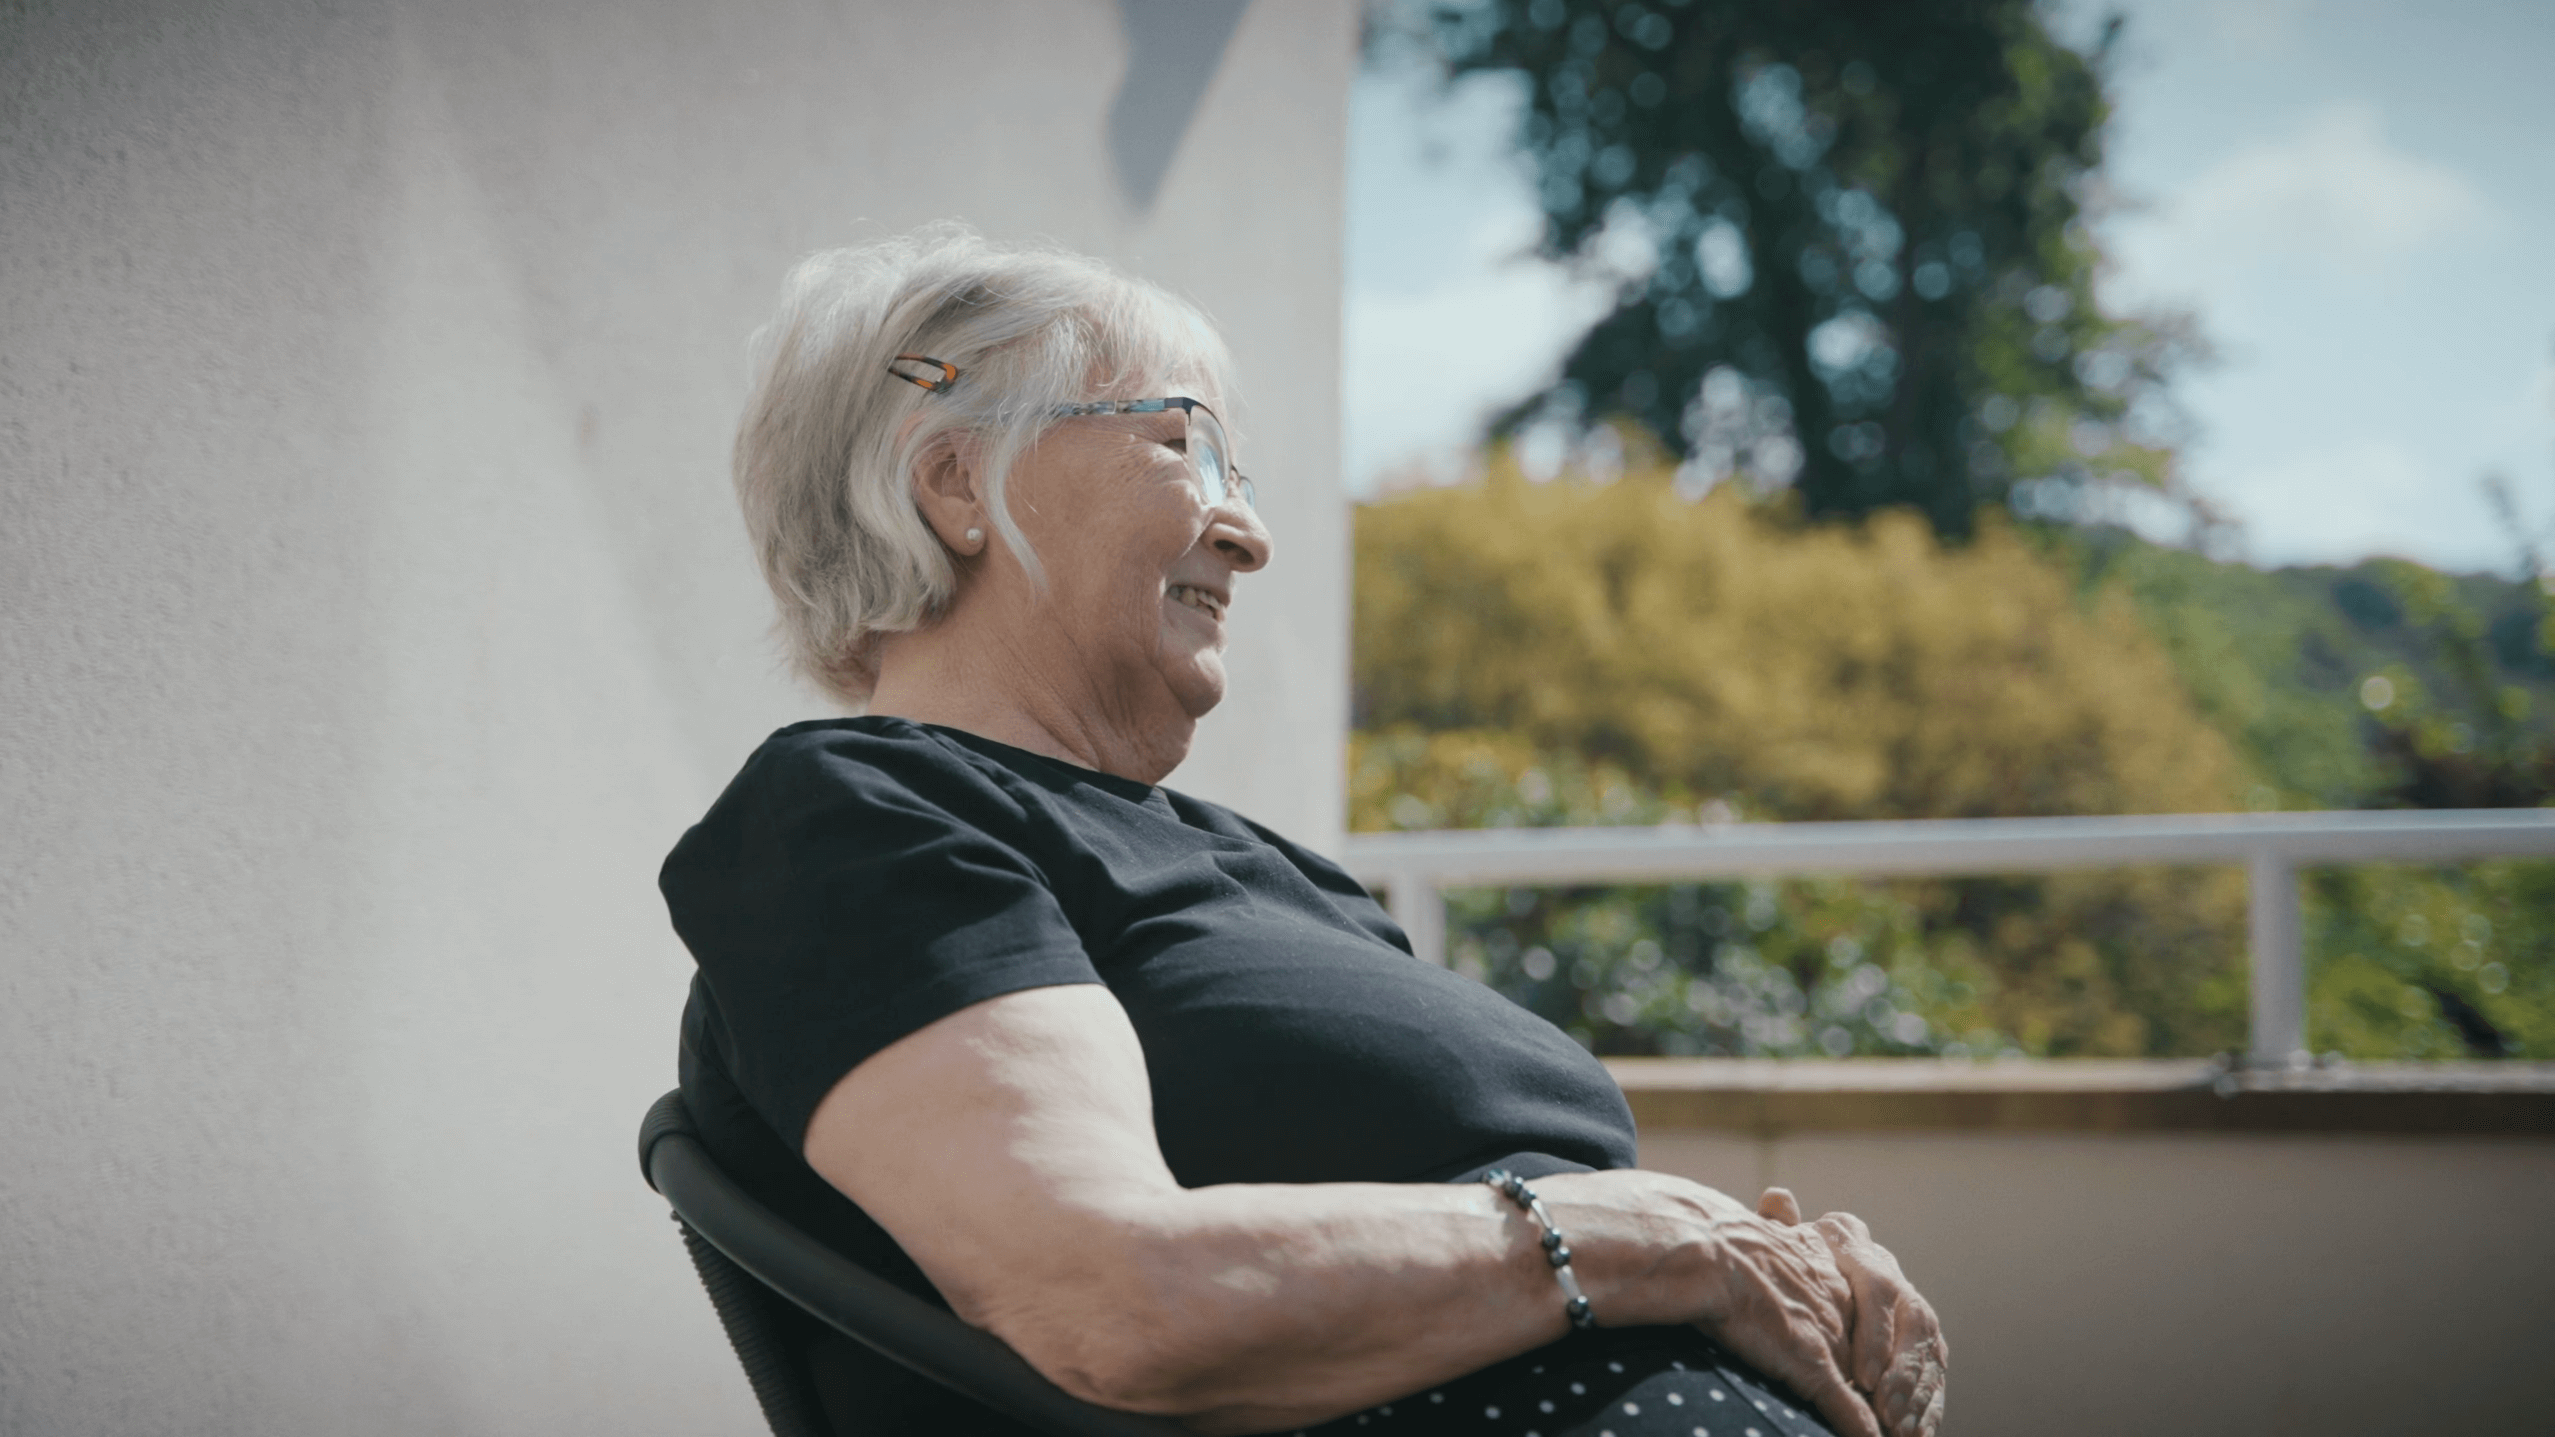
{"x":1009,"y":1149}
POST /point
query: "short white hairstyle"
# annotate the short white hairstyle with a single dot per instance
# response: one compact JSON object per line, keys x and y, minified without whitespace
{"x":827,"y":450}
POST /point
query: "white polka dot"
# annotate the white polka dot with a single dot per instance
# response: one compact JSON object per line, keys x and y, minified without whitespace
{"x":1752,"y":1432}
{"x":1437,"y":1397}
{"x":1491,"y":1412}
{"x":1678,"y":1365}
{"x":1386,"y":1409}
{"x":1720,"y":1396}
{"x":1614,"y":1367}
{"x":1547,"y":1406}
{"x":1676,"y":1399}
{"x":1361,"y":1419}
{"x":1539,"y":1371}
{"x":1632,"y":1409}
{"x":1699,"y":1432}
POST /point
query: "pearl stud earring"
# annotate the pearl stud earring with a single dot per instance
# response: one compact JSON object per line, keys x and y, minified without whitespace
{"x":975,"y":536}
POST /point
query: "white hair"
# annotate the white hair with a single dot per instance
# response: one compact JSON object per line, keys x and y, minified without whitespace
{"x":827,"y":450}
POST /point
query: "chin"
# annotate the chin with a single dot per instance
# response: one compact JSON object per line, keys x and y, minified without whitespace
{"x":1191,"y":670}
{"x":1201,"y":688}
{"x":1200,"y":699}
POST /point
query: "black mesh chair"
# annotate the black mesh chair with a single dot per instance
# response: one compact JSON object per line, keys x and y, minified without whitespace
{"x":759,"y":1268}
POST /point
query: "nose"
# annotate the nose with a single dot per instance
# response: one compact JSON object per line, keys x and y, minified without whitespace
{"x":1235,"y":531}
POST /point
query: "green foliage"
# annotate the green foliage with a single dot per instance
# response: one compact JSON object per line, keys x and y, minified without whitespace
{"x":2402,"y":958}
{"x":2379,"y":685}
{"x":1818,"y":672}
{"x":1806,"y":967}
{"x":1541,"y":655}
{"x":1533,"y":655}
{"x":1409,"y":779}
{"x":1801,"y":969}
{"x":2282,"y":661}
{"x":2270,"y":663}
{"x":1867,"y":217}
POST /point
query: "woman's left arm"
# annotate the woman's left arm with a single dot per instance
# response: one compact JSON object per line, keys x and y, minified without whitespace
{"x":1009,"y":1149}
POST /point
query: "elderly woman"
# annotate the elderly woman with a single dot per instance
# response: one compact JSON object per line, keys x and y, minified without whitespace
{"x":1146,"y":1090}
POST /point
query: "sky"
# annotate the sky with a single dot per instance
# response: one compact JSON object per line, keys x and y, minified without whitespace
{"x":2355,"y":199}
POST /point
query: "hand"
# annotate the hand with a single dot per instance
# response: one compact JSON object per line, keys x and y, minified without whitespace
{"x":1899,"y":1355}
{"x":1787,"y":1308}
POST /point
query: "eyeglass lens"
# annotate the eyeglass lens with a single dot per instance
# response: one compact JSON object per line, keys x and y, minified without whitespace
{"x":1210,"y":459}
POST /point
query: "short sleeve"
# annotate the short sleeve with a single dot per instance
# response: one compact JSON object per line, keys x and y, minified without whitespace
{"x":851,"y":888}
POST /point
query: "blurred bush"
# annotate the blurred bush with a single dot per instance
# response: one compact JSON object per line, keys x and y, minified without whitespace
{"x":1572,"y":653}
{"x":1806,"y":967}
{"x":2425,"y":962}
{"x":1541,"y":654}
{"x":1822,"y":671}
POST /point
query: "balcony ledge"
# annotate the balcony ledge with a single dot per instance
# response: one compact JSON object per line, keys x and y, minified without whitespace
{"x":1774,"y":1098}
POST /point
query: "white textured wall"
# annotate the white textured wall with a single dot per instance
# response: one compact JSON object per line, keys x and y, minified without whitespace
{"x":373,"y":616}
{"x":2130,"y":1285}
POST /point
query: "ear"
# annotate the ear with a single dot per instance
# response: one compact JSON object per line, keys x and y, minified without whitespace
{"x":948,"y":480}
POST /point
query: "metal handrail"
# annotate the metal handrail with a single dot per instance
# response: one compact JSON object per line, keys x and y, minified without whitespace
{"x":1416,"y":868}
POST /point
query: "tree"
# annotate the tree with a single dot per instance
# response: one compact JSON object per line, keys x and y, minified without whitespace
{"x":1849,"y":238}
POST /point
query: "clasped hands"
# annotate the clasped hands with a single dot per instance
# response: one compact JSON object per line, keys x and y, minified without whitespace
{"x":1826,"y":1309}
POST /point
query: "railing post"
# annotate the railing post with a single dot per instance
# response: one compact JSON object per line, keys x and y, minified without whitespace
{"x":1421,"y":910}
{"x":2279,"y":971}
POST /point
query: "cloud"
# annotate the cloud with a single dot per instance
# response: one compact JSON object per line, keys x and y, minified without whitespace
{"x":2334,"y":191}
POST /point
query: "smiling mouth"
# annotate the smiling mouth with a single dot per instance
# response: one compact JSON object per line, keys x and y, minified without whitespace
{"x":1200,"y":600}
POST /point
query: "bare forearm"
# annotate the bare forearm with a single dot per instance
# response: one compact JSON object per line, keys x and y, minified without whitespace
{"x":1249,"y":1307}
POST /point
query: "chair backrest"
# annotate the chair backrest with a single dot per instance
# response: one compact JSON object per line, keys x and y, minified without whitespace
{"x":768,"y":1345}
{"x":746,"y":1254}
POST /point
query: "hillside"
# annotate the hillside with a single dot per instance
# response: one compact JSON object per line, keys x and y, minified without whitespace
{"x":2276,"y":659}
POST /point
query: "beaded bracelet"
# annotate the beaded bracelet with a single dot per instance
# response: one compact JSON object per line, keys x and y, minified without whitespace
{"x":1556,"y":1251}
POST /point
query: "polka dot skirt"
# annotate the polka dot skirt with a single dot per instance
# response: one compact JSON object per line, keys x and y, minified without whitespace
{"x":1619,"y":1382}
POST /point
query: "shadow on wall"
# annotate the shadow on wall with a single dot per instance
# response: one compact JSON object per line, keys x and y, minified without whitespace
{"x":1174,"y":48}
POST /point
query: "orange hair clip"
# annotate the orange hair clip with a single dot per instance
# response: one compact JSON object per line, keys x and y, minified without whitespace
{"x":948,"y":372}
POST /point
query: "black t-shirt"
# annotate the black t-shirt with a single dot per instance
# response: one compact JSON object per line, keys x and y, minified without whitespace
{"x":863,"y":878}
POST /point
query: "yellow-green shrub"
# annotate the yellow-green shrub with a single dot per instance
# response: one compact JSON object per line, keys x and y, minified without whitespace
{"x":1817,"y":672}
{"x":1576,"y":653}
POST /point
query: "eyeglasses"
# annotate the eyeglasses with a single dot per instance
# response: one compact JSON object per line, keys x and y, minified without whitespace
{"x":1209,"y":450}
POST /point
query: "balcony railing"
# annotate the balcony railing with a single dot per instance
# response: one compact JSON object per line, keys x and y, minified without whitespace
{"x":1416,"y":868}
